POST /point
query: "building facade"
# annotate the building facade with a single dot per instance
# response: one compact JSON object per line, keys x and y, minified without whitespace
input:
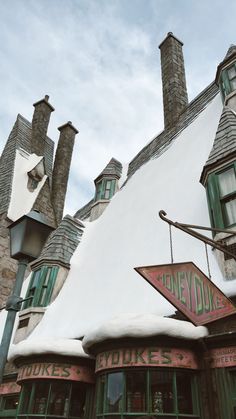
{"x":109,"y":345}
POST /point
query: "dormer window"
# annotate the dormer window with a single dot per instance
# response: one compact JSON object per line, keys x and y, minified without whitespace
{"x":105,"y":189}
{"x":228,"y":80}
{"x":221,"y":188}
{"x":41,"y":286}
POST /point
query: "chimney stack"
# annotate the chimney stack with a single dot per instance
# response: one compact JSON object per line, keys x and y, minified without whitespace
{"x":62,"y":167}
{"x":40,"y":121}
{"x":175,"y":97}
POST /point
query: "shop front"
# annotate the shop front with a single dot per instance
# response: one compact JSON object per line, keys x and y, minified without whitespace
{"x":58,"y":387}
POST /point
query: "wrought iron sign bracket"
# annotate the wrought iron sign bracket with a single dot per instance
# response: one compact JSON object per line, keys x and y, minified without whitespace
{"x":188,"y":228}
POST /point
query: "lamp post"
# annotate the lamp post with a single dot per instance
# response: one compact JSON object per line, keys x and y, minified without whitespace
{"x":27,"y":237}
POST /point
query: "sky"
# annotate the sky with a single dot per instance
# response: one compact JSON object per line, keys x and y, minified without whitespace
{"x":99,"y":62}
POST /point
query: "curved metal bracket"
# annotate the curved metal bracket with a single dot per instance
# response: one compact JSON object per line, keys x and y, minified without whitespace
{"x":188,"y":228}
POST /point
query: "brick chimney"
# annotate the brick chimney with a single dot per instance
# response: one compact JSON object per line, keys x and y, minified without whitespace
{"x":62,"y":167}
{"x":40,"y":121}
{"x":175,"y":97}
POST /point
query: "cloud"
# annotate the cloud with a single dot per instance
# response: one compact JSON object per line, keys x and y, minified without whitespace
{"x":99,"y":62}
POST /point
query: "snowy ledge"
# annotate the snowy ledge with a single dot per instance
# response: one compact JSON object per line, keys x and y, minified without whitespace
{"x":143,"y":325}
{"x":68,"y":347}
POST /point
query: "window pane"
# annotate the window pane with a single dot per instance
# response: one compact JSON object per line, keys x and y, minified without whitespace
{"x":10,"y":402}
{"x":162,"y":398}
{"x":231,"y":72}
{"x":230,"y":212}
{"x":136,"y":391}
{"x":184,"y":393}
{"x":114,"y":392}
{"x":233,"y":84}
{"x":77,"y":401}
{"x":25,"y":397}
{"x":227,"y":182}
{"x":40,"y":398}
{"x":59,"y":399}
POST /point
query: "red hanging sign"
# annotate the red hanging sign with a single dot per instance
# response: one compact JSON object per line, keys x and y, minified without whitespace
{"x":189,"y":290}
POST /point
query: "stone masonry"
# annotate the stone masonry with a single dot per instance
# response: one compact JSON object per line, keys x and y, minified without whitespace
{"x":62,"y":166}
{"x":175,"y":97}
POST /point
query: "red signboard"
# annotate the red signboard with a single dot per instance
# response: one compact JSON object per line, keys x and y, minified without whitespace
{"x":146,"y":357}
{"x":56,"y":371}
{"x":189,"y":290}
{"x":223,"y":357}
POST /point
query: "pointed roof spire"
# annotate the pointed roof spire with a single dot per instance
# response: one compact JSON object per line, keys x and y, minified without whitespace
{"x":224,"y":146}
{"x":113,"y":168}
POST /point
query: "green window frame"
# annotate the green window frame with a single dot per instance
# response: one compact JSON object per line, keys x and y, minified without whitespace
{"x":165,"y":393}
{"x":221,"y":204}
{"x":57,"y":398}
{"x":105,"y":189}
{"x":41,"y":286}
{"x":228,"y":80}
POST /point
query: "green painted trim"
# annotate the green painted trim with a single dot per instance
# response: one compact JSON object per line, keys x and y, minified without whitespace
{"x":38,"y":300}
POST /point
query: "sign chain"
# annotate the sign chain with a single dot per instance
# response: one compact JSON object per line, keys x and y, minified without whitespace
{"x":171,"y":245}
{"x":208,"y":264}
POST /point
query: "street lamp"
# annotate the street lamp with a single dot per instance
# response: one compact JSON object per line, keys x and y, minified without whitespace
{"x":27,"y":237}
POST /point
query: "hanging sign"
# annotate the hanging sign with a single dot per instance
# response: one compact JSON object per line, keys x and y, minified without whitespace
{"x":189,"y":290}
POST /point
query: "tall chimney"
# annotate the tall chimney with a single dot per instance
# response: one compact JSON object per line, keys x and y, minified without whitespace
{"x":175,"y":97}
{"x":62,"y":167}
{"x":40,"y":121}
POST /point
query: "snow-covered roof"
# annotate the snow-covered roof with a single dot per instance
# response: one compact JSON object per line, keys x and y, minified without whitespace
{"x":22,"y":199}
{"x":68,"y":347}
{"x":102,"y":283}
{"x":142,"y":325}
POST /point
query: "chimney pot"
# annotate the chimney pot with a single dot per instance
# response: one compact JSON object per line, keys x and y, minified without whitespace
{"x":40,"y":121}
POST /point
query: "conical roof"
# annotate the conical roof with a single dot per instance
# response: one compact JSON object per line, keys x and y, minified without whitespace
{"x":224,"y":145}
{"x":113,"y":168}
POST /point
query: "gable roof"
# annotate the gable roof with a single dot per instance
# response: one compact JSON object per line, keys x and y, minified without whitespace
{"x":20,"y":137}
{"x":102,"y":282}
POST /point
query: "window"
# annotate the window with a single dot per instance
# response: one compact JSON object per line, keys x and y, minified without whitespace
{"x":8,"y":405}
{"x":105,"y":189}
{"x":154,"y":392}
{"x":228,"y":80}
{"x":41,"y":287}
{"x":221,"y":191}
{"x":56,"y":399}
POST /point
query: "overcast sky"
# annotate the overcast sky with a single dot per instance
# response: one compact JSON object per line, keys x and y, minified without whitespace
{"x":98,"y":60}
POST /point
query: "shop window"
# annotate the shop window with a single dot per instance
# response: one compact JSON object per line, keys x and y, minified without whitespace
{"x":228,"y":80}
{"x":41,"y":287}
{"x":221,"y":191}
{"x":105,"y":189}
{"x":144,"y":393}
{"x":52,"y":399}
{"x":8,"y":405}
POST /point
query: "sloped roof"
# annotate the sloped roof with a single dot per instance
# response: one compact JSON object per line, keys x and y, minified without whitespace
{"x":224,"y":144}
{"x":20,"y":137}
{"x":113,"y":168}
{"x":62,"y":242}
{"x":102,"y":282}
{"x":159,"y":143}
{"x":84,"y":212}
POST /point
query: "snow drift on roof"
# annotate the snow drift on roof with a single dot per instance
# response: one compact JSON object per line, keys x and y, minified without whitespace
{"x":22,"y":200}
{"x":69,"y":347}
{"x":142,"y":325}
{"x":102,"y":282}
